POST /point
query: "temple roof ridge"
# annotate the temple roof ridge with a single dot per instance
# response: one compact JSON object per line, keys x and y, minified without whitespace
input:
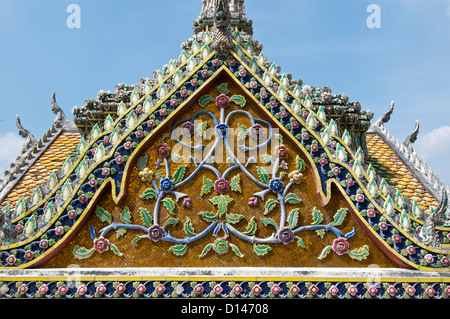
{"x":409,"y":156}
{"x":32,"y":149}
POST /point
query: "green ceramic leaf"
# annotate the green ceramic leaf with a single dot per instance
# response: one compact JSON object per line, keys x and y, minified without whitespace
{"x":125,"y":216}
{"x":261,"y":250}
{"x":270,"y":205}
{"x":179,"y":250}
{"x":207,"y":186}
{"x":146,"y":217}
{"x":188,"y":227}
{"x":179,"y":174}
{"x":234,"y":218}
{"x":292,"y":198}
{"x":201,"y":129}
{"x":205,"y":100}
{"x":359,"y":253}
{"x":115,"y":250}
{"x":209,"y":216}
{"x":171,"y":221}
{"x":205,"y":250}
{"x":300,"y":164}
{"x":223,"y":88}
{"x":81,"y":252}
{"x":239,"y":100}
{"x":251,"y":227}
{"x":120,"y":232}
{"x":269,"y":221}
{"x":235,"y":184}
{"x":299,"y":242}
{"x":262,"y":174}
{"x":242,"y":132}
{"x":142,"y":162}
{"x":159,"y":175}
{"x":169,"y":204}
{"x":317,"y":216}
{"x":148,"y":194}
{"x":293,"y":218}
{"x":339,"y":217}
{"x":324,"y":252}
{"x":221,"y":202}
{"x":103,"y":214}
{"x":236,"y":250}
{"x":135,"y":240}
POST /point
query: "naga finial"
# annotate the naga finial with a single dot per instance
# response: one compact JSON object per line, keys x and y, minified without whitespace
{"x":30,"y":140}
{"x":411,"y":138}
{"x":386,"y":117}
{"x":437,"y":218}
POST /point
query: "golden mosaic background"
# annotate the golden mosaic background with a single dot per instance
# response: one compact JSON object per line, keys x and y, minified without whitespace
{"x":150,"y":254}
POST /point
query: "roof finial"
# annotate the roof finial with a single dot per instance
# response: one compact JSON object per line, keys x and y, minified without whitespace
{"x":236,"y":13}
{"x":411,"y":138}
{"x":222,"y":40}
{"x":30,"y":140}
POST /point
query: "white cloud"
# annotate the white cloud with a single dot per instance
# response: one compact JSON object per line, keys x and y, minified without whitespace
{"x":434,"y":148}
{"x":10,"y":147}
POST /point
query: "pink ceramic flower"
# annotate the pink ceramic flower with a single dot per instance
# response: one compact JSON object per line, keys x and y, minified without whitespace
{"x":163,"y":150}
{"x":323,"y":161}
{"x":163,"y":112}
{"x":253,"y":201}
{"x":221,"y":186}
{"x":222,"y":101}
{"x":82,"y":198}
{"x":101,"y":244}
{"x":187,"y":202}
{"x":340,"y":246}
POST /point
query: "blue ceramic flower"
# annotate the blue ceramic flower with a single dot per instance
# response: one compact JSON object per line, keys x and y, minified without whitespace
{"x":222,"y":130}
{"x":276,"y":185}
{"x":166,"y":185}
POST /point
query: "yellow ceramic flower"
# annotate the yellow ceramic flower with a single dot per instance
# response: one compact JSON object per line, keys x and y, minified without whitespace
{"x":295,"y":177}
{"x":146,"y":175}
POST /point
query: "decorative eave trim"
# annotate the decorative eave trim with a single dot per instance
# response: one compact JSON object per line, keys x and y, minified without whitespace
{"x":224,"y":283}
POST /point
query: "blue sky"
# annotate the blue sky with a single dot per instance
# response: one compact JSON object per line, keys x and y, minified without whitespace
{"x":323,"y":42}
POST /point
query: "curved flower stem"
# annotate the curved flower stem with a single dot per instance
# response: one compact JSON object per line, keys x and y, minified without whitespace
{"x":156,"y":208}
{"x":213,"y":169}
{"x":243,"y":169}
{"x":188,"y":240}
{"x":227,"y":121}
{"x":280,"y":198}
{"x":115,"y":226}
{"x":252,"y":239}
{"x":199,"y":167}
{"x":275,"y":168}
{"x":286,"y":189}
{"x":178,"y":141}
{"x":263,"y":144}
{"x":328,"y":227}
{"x":222,"y":115}
{"x":167,"y":165}
{"x":155,"y":187}
{"x":232,"y":168}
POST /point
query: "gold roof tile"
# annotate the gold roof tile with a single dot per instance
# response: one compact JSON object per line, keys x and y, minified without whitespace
{"x":400,"y":174}
{"x":49,"y":161}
